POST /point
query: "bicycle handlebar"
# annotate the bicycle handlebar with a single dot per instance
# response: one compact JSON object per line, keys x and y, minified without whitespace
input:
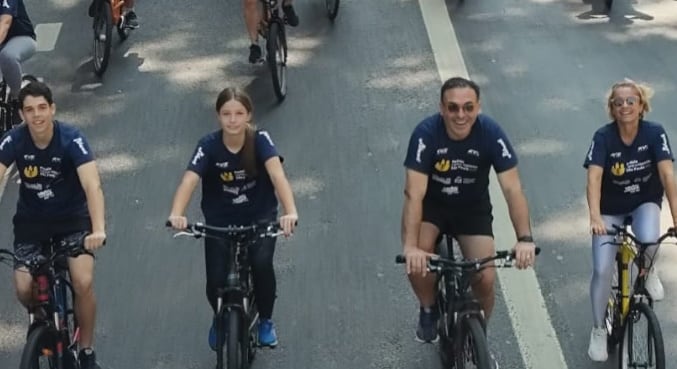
{"x":438,"y":263}
{"x":198,"y":230}
{"x":623,"y":232}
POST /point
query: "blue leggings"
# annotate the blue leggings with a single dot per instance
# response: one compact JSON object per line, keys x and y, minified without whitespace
{"x":645,"y":226}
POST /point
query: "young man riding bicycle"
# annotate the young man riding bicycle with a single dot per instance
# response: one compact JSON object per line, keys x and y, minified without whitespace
{"x":448,"y":162}
{"x":60,"y":199}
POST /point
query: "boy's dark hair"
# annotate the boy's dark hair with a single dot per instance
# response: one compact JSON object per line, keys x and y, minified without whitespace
{"x":35,"y":89}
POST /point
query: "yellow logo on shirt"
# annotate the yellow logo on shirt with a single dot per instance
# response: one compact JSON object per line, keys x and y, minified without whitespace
{"x":618,"y":169}
{"x":227,"y":176}
{"x":31,"y":171}
{"x":443,"y":165}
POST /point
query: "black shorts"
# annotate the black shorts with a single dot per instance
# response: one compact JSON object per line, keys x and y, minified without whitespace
{"x":457,"y":223}
{"x":28,"y":250}
{"x":34,"y":238}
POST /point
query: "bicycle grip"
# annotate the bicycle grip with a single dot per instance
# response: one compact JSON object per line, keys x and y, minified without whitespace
{"x":168,"y":224}
{"x":400,"y":259}
{"x":538,"y":250}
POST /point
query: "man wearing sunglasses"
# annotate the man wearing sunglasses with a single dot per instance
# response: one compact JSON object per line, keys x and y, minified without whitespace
{"x":447,"y":165}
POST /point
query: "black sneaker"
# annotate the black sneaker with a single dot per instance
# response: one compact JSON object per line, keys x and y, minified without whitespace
{"x":290,"y":15}
{"x":87,"y":359}
{"x":427,"y":326}
{"x":131,"y":20}
{"x":254,"y":53}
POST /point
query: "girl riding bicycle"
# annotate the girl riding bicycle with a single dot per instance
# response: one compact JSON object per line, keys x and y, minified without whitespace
{"x":241,"y":175}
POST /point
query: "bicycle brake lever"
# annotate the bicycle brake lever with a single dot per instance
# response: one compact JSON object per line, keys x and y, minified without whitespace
{"x":183,"y":233}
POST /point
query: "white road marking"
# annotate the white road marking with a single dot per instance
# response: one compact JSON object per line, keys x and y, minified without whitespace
{"x":46,"y":35}
{"x":530,"y":319}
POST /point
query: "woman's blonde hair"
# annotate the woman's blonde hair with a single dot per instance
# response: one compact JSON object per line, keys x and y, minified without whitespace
{"x":643,"y":90}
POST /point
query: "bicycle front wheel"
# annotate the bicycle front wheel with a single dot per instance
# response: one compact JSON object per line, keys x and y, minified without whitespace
{"x":277,"y":59}
{"x":642,"y":342}
{"x":103,"y":32}
{"x":332,"y":8}
{"x":39,"y":351}
{"x":234,"y":348}
{"x":472,"y":348}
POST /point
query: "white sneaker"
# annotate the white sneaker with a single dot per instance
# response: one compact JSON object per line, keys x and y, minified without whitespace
{"x":654,"y":286}
{"x":597,"y":349}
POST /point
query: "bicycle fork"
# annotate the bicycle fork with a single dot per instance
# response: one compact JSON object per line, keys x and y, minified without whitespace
{"x":626,"y":262}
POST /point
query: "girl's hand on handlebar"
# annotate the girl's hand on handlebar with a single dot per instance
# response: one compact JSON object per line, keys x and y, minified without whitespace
{"x":288,"y":223}
{"x":178,"y":222}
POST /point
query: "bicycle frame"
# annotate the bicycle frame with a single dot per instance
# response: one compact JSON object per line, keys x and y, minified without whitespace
{"x":116,"y":9}
{"x":458,"y":302}
{"x":626,"y":255}
{"x":271,"y":9}
{"x":51,"y":288}
{"x":236,"y":293}
{"x":631,"y":251}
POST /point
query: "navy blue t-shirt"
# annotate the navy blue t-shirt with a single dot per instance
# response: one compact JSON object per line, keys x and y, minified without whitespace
{"x":50,"y":187}
{"x":21,"y":24}
{"x":630,"y":176}
{"x":458,"y":171}
{"x":229,"y":197}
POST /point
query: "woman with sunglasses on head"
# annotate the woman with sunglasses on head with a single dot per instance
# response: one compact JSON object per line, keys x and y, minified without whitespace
{"x":448,"y":162}
{"x":629,"y":165}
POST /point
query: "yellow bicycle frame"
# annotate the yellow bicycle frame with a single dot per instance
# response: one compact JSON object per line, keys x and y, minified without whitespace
{"x":628,"y":253}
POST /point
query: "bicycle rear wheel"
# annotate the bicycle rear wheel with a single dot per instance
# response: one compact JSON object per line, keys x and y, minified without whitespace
{"x":39,"y":351}
{"x":472,"y":348}
{"x":276,"y":48}
{"x":103,"y":36}
{"x":642,"y":343}
{"x":332,"y":8}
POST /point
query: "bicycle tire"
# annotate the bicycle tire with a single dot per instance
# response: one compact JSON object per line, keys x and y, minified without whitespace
{"x":654,"y":339}
{"x":276,"y":48}
{"x":102,"y":48}
{"x":42,"y":336}
{"x":471,"y":330}
{"x":332,"y":8}
{"x":234,"y":349}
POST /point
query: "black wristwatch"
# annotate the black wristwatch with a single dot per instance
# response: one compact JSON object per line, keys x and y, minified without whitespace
{"x":525,"y":239}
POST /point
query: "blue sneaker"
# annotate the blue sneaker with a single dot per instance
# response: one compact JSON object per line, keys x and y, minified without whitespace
{"x":267,"y":334}
{"x":212,"y":336}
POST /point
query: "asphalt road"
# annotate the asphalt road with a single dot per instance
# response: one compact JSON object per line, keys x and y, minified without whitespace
{"x":356,"y":89}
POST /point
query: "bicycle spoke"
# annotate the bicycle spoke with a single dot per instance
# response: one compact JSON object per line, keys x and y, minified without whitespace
{"x":643,"y":340}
